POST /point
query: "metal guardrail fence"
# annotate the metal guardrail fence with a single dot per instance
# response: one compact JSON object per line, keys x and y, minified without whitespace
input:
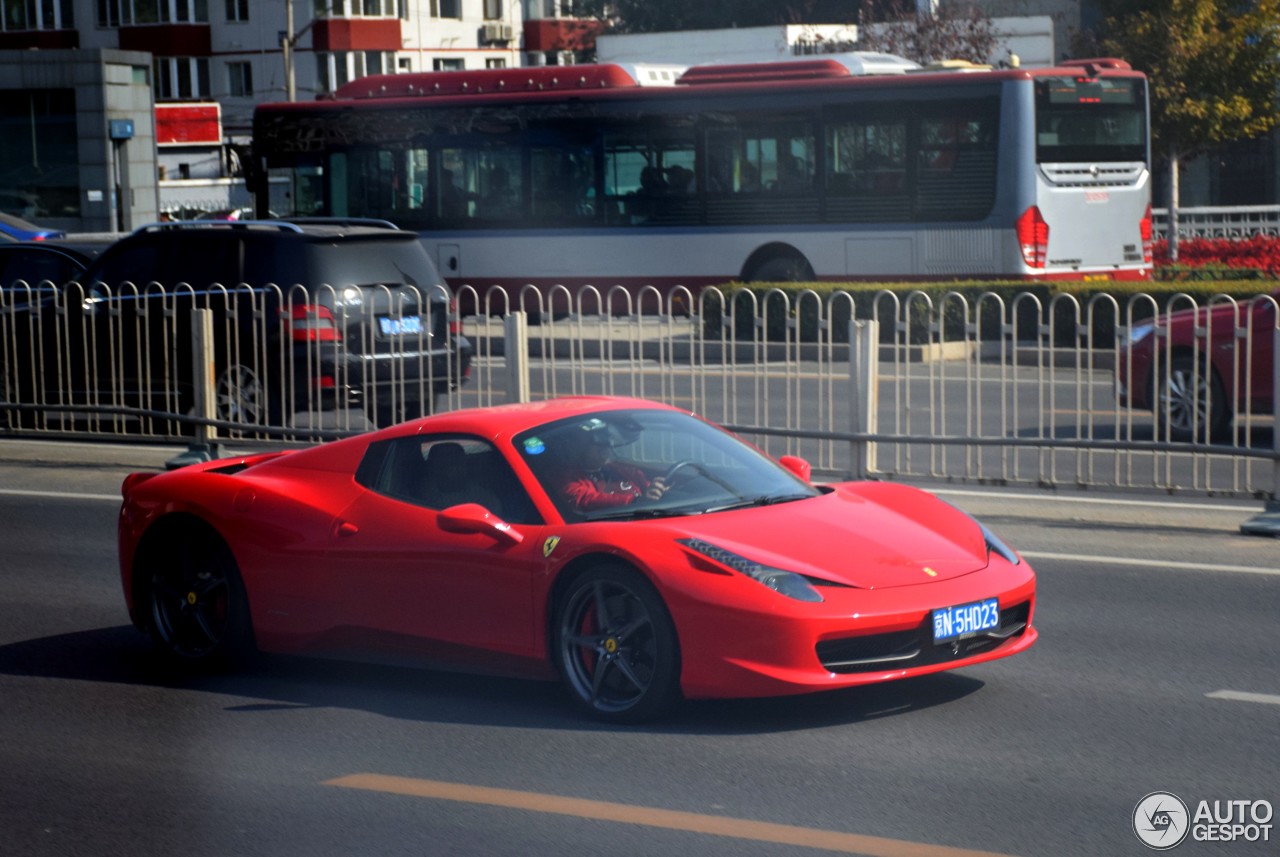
{"x":1220,"y":221}
{"x":978,"y":390}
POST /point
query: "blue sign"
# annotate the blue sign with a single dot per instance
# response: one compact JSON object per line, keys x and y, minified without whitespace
{"x":121,"y":129}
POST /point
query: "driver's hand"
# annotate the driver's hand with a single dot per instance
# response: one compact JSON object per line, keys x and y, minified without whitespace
{"x":656,"y":489}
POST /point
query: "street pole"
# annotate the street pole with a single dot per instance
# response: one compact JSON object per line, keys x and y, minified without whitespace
{"x":287,"y":47}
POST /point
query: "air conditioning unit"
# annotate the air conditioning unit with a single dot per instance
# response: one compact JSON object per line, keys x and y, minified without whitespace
{"x":491,"y":33}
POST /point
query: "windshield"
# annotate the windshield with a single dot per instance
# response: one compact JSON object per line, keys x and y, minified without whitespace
{"x":1088,"y":119}
{"x":631,"y":464}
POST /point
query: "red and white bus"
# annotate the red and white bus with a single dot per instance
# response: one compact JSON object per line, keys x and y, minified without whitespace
{"x":797,"y":170}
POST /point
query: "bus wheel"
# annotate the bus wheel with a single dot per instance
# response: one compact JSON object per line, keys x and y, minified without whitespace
{"x":782,"y":268}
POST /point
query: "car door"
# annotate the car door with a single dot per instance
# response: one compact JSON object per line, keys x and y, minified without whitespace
{"x":1262,"y":334}
{"x":421,"y":584}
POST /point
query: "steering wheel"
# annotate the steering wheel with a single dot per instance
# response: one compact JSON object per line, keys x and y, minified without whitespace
{"x":683,"y":464}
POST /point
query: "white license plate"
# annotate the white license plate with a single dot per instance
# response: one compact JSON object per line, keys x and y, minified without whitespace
{"x":965,"y":620}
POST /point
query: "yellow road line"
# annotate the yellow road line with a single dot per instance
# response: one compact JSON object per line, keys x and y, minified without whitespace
{"x":736,"y":828}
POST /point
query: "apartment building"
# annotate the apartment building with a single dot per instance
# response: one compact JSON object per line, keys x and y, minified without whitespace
{"x":212,"y":61}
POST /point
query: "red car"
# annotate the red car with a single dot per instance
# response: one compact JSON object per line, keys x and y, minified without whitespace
{"x":637,"y":551}
{"x":1200,"y":368}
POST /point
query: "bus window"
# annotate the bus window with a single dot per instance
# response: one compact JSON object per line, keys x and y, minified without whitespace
{"x":500,"y":187}
{"x":563,"y":181}
{"x":306,"y":188}
{"x":956,"y":163}
{"x":651,"y":181}
{"x":782,"y":159}
{"x":867,"y":170}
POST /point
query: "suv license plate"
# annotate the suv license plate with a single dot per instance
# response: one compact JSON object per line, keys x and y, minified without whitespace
{"x":409,"y":325}
{"x":965,"y":620}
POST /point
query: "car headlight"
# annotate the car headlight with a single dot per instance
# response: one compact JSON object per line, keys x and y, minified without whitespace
{"x":994,"y":544}
{"x":1139,"y":332}
{"x":783,"y":582}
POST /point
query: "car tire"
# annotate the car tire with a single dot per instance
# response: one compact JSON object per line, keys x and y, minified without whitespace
{"x":1191,"y":402}
{"x":615,"y":645}
{"x":192,"y":600}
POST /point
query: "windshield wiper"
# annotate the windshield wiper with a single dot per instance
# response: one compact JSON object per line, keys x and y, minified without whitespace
{"x":762,"y":500}
{"x":628,"y":513}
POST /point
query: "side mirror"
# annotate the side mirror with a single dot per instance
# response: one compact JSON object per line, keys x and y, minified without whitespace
{"x":797,"y":465}
{"x":474,"y":518}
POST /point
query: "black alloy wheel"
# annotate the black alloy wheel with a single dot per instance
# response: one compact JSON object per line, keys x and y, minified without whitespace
{"x":615,"y":646}
{"x":196,"y":608}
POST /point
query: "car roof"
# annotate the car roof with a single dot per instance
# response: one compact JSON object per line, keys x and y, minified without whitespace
{"x":508,"y":420}
{"x":492,"y":423}
{"x":299,"y":228}
{"x":15,"y":222}
{"x":85,"y":251}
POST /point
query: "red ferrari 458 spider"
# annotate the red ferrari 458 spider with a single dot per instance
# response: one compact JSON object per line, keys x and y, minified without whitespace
{"x":635,"y":550}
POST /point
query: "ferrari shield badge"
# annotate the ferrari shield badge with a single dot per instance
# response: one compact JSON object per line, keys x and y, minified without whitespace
{"x":549,"y":545}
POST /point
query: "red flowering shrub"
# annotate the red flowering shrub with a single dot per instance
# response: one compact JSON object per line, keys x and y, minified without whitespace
{"x":1259,"y":253}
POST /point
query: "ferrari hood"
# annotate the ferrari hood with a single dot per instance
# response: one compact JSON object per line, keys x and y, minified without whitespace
{"x":867,"y":535}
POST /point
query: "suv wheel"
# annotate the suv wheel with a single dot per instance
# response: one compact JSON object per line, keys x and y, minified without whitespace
{"x":242,"y":397}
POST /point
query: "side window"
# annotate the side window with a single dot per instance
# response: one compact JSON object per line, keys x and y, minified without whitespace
{"x":36,"y":267}
{"x":649,"y":178}
{"x":956,"y":169}
{"x":439,"y":471}
{"x":564,"y":181}
{"x":135,"y":262}
{"x":867,"y":168}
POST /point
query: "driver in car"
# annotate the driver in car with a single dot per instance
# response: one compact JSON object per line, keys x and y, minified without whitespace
{"x":599,"y":481}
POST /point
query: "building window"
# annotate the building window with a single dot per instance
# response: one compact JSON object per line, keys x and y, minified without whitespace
{"x":492,"y":9}
{"x":335,"y":69}
{"x":554,"y":9}
{"x":182,"y":78}
{"x":446,"y":9}
{"x":27,"y":15}
{"x":495,"y":62}
{"x":404,"y":64}
{"x":237,"y":10}
{"x":239,"y":79}
{"x":447,"y":65}
{"x":126,"y":13}
{"x":361,"y":8}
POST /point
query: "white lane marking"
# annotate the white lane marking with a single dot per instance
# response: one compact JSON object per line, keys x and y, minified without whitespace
{"x":1010,"y":495}
{"x":1152,"y":563}
{"x":60,"y":495}
{"x":1241,"y":696}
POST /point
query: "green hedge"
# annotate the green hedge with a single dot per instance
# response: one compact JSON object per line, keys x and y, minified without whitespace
{"x":1071,"y":308}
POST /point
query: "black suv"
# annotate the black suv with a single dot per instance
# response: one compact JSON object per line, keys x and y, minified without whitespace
{"x":309,"y":317}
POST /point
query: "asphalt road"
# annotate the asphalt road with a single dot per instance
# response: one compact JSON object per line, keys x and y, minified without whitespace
{"x":1155,"y":671}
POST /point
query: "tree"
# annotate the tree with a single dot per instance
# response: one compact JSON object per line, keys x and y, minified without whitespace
{"x":1213,"y":72}
{"x":957,"y":31}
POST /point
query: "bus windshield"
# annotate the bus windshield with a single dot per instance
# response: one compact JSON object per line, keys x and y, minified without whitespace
{"x":1090,"y":119}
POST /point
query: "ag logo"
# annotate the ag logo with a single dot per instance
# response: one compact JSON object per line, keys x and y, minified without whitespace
{"x":1160,"y":820}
